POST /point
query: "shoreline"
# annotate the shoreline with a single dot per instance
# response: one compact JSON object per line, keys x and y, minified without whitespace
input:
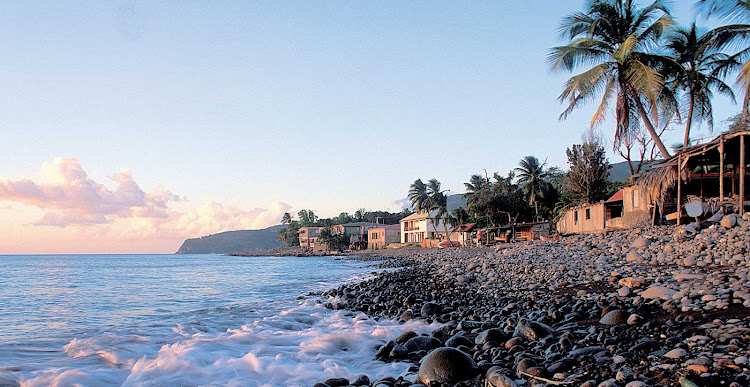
{"x":625,"y":308}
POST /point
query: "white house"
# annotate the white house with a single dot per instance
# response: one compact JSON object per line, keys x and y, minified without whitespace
{"x":417,"y":227}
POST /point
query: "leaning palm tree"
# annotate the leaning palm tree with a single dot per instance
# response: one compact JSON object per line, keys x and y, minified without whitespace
{"x":733,"y":36}
{"x":532,"y":176}
{"x":286,"y":218}
{"x":696,"y":74}
{"x":611,"y":40}
{"x":418,"y":197}
{"x":475,"y":188}
{"x":439,"y":204}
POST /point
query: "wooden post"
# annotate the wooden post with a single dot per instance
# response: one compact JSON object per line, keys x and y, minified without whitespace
{"x":721,"y":168}
{"x":679,"y":189}
{"x":742,"y":174}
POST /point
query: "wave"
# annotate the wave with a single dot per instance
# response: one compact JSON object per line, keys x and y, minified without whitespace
{"x":299,"y":346}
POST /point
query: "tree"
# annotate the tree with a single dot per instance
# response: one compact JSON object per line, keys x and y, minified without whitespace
{"x":613,"y":36}
{"x":307,"y":218}
{"x":360,"y":214}
{"x":289,"y":234}
{"x":458,"y":217}
{"x":737,"y":123}
{"x":439,"y":203}
{"x":419,"y":197}
{"x":587,"y":179}
{"x":732,"y":35}
{"x":696,"y":74}
{"x":286,"y":218}
{"x":531,"y":175}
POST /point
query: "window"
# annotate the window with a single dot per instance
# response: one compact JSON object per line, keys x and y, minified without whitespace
{"x":588,"y":213}
{"x":575,"y":216}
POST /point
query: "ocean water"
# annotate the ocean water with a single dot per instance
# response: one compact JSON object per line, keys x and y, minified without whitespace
{"x":183,"y":320}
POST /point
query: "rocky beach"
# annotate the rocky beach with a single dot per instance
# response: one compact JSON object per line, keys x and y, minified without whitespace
{"x":651,"y":306}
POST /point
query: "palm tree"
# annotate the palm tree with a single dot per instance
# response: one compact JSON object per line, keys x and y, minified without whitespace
{"x":696,"y":74}
{"x":733,"y":35}
{"x":418,"y":197}
{"x":439,"y":203}
{"x":475,"y":188}
{"x":286,"y":218}
{"x":613,"y":36}
{"x":531,"y":175}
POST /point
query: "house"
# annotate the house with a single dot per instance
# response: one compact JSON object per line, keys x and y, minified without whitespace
{"x":465,"y":233}
{"x":626,"y":208}
{"x":357,"y":232}
{"x":418,"y":227}
{"x":531,"y":231}
{"x":308,"y":236}
{"x":380,"y":237}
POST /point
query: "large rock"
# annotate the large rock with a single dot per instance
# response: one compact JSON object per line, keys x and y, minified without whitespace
{"x":493,"y":334}
{"x":496,"y":378}
{"x":615,"y":317}
{"x":532,"y":330}
{"x":729,"y":221}
{"x":430,"y":309}
{"x":422,"y":343}
{"x":641,"y":243}
{"x":656,"y":291}
{"x":446,"y":365}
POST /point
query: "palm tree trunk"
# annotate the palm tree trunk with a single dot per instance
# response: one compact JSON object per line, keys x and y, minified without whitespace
{"x":644,"y":116}
{"x":686,"y":140}
{"x":536,"y":210}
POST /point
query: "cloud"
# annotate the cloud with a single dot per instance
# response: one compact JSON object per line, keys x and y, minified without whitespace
{"x":65,"y":186}
{"x":70,"y":197}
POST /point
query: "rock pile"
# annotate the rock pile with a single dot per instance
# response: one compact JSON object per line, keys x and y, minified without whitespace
{"x":627,"y":308}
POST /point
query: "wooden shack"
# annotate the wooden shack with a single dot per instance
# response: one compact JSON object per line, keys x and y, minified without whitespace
{"x":714,"y":173}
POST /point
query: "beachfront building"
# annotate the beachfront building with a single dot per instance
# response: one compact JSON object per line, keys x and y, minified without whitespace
{"x":308,"y":236}
{"x":626,"y":208}
{"x":357,"y":232}
{"x":380,"y":237}
{"x":418,"y":227}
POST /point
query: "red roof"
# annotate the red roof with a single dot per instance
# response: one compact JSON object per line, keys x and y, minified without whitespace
{"x":466,"y":227}
{"x":616,"y":197}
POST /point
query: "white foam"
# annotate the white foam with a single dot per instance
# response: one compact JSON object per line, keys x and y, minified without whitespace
{"x":297,"y":347}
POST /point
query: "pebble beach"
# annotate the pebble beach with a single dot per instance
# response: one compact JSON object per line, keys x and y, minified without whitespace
{"x":650,"y":306}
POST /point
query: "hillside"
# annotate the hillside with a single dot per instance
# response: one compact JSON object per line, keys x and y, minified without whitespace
{"x":233,"y":241}
{"x":620,"y":171}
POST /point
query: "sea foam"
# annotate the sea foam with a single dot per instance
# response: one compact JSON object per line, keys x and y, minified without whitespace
{"x":299,"y":346}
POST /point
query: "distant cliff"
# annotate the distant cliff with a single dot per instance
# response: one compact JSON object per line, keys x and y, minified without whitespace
{"x":233,"y":242}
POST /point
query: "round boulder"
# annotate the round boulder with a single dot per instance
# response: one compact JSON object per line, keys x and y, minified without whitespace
{"x":446,"y":365}
{"x":615,"y":317}
{"x":430,"y":309}
{"x":422,"y":343}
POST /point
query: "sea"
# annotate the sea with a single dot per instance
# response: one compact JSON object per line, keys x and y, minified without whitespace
{"x":184,"y":320}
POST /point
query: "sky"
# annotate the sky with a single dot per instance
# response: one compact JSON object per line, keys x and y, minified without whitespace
{"x":128,"y":126}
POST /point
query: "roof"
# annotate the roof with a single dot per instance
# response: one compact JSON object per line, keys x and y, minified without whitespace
{"x":388,"y":227}
{"x":416,"y":216}
{"x":310,"y":228}
{"x":357,"y":224}
{"x":466,"y":227}
{"x":616,"y":197}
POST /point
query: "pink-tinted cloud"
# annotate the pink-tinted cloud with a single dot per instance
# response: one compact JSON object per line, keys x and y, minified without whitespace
{"x":65,"y":186}
{"x":75,"y":207}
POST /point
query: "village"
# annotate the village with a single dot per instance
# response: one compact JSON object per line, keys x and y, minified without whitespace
{"x":702,"y":182}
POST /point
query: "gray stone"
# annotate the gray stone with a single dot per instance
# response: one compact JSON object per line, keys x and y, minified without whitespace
{"x":656,"y":291}
{"x":615,"y":317}
{"x":422,"y":343}
{"x":641,"y":243}
{"x":430,"y":309}
{"x":496,"y":378}
{"x":494,"y":334}
{"x":676,"y":353}
{"x":446,"y":365}
{"x":729,"y":221}
{"x":532,"y":330}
